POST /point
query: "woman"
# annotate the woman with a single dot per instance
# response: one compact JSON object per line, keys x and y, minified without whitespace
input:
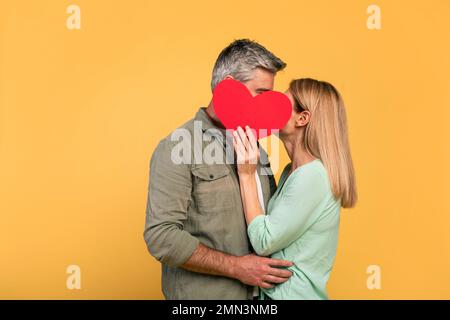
{"x":302,"y":221}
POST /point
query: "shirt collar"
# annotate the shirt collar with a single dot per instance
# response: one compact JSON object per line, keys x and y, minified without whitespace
{"x":202,"y":116}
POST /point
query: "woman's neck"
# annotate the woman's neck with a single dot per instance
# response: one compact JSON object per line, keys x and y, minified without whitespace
{"x":297,"y":153}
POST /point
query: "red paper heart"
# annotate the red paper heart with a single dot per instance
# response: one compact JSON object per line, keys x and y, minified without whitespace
{"x":235,"y":106}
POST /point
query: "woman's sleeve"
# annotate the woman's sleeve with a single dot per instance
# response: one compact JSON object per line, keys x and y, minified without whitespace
{"x":293,"y":213}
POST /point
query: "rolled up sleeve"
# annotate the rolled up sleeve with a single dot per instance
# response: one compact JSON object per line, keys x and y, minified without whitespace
{"x":169,"y":192}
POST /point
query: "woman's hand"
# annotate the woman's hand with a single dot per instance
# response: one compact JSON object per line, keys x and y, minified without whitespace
{"x":247,"y":154}
{"x":247,"y":151}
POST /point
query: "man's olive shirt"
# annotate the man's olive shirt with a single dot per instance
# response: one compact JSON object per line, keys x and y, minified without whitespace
{"x":194,"y":202}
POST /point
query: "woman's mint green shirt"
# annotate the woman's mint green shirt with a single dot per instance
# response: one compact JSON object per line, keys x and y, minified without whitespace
{"x":301,"y":225}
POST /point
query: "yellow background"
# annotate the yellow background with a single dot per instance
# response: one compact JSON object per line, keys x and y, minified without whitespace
{"x":82,"y":110}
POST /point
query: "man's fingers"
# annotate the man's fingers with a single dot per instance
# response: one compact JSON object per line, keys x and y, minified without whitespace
{"x":266,"y":285}
{"x":279,"y":263}
{"x":282,"y":273}
{"x":273,"y":279}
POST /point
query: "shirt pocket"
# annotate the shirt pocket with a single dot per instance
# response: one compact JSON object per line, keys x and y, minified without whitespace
{"x":213,"y":189}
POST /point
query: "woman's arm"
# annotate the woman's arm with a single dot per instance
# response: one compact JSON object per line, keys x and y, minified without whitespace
{"x":247,"y":153}
{"x":296,"y":210}
{"x":249,"y":195}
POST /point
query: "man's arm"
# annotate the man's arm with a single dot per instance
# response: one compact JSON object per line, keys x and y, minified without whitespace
{"x":169,"y":192}
{"x":249,"y":269}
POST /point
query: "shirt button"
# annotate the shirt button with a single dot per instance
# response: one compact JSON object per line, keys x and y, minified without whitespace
{"x":211,"y":176}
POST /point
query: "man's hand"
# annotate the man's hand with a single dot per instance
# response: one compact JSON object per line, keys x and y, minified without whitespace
{"x":260,"y":271}
{"x":251,"y":269}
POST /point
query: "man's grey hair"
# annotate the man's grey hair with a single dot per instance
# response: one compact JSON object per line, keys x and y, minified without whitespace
{"x":241,"y":58}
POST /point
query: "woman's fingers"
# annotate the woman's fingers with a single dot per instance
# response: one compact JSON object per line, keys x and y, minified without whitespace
{"x":243,"y":137}
{"x":238,"y":147}
{"x":238,"y":139}
{"x":253,"y":149}
{"x":251,"y":138}
{"x":235,"y":145}
{"x":245,"y":142}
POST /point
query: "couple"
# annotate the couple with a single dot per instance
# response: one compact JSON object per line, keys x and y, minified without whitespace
{"x":226,"y":231}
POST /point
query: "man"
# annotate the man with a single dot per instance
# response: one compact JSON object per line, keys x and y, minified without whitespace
{"x":195,"y":223}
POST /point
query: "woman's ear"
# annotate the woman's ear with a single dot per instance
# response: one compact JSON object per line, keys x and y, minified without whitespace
{"x":302,"y":118}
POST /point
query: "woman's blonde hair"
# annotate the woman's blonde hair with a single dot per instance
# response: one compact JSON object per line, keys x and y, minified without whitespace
{"x":326,"y":135}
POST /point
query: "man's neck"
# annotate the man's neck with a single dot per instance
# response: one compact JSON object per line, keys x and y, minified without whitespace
{"x":212,"y":116}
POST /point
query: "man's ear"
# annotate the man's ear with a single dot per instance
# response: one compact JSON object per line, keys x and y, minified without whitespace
{"x":303,"y":118}
{"x":228,"y":77}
